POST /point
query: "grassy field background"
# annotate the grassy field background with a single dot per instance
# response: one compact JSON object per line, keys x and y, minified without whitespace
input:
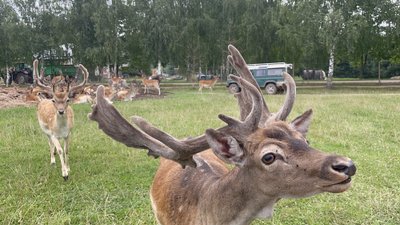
{"x":109,"y":182}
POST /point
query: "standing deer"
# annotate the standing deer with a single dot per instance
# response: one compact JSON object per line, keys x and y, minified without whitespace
{"x":147,"y":83}
{"x":208,"y":83}
{"x":272,"y":159}
{"x":56,"y":117}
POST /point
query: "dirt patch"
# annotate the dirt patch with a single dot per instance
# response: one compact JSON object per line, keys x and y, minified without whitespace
{"x":13,"y":96}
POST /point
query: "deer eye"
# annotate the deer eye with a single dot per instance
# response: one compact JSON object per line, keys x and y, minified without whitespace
{"x":53,"y":100}
{"x":268,"y":159}
{"x":67,"y":99}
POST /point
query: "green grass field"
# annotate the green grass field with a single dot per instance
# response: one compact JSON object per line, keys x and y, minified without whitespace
{"x":109,"y":183}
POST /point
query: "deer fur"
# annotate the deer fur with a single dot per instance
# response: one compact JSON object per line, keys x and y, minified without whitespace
{"x":32,"y":95}
{"x":147,"y":83}
{"x":208,"y":83}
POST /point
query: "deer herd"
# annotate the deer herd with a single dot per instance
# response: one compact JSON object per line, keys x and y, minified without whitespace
{"x":269,"y":158}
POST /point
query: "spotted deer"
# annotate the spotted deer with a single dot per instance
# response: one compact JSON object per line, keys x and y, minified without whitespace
{"x":56,"y":117}
{"x":208,"y":83}
{"x":271,"y":159}
{"x":148,"y":83}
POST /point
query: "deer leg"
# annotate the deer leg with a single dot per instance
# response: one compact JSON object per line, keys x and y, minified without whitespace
{"x":66,"y":146}
{"x":159,"y":91}
{"x":52,"y":152}
{"x":60,"y":152}
{"x":201,"y":88}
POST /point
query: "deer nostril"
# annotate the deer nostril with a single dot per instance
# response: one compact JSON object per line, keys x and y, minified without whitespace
{"x":349,"y":170}
{"x":61,"y":112}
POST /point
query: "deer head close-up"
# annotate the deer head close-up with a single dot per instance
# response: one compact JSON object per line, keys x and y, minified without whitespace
{"x":271,"y":159}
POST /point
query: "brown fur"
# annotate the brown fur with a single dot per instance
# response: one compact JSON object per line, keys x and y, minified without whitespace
{"x":208,"y":83}
{"x":47,"y":115}
{"x":151,"y":84}
{"x":32,"y":95}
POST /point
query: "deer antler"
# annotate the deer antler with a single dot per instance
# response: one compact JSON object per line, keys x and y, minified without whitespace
{"x":241,"y":68}
{"x":114,"y":125}
{"x":284,"y":112}
{"x":82,"y":84}
{"x":39,"y":81}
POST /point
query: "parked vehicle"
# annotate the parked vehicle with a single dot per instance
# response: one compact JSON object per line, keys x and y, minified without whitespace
{"x":202,"y":76}
{"x":269,"y":76}
{"x":21,"y":73}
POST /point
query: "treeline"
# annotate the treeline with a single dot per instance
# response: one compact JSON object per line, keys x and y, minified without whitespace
{"x":356,"y":35}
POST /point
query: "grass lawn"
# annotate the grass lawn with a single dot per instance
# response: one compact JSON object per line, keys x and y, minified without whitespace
{"x":109,"y":182}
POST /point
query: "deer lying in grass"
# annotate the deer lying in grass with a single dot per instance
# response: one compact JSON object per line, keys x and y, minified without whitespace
{"x":208,"y":83}
{"x":147,"y":83}
{"x":32,"y":95}
{"x":127,"y":94}
{"x":271,"y":158}
{"x":34,"y":92}
{"x":56,"y":117}
{"x":85,"y":96}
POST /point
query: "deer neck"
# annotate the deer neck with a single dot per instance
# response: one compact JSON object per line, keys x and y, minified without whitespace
{"x":64,"y":123}
{"x":235,"y":200}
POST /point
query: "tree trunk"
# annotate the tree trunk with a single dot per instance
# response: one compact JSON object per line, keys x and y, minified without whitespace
{"x":330,"y":69}
{"x":8,"y":77}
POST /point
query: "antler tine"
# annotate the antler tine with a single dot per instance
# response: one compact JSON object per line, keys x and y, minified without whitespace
{"x":38,"y":81}
{"x":85,"y":77}
{"x":284,"y":112}
{"x":238,"y":129}
{"x":186,"y":148}
{"x":115,"y":126}
{"x":239,"y":64}
{"x":41,"y":73}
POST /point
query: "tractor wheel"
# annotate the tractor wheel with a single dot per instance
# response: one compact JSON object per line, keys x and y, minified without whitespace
{"x":234,"y":88}
{"x":270,"y":89}
{"x":21,"y":78}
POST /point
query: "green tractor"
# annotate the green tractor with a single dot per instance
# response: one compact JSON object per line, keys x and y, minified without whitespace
{"x":22,"y":73}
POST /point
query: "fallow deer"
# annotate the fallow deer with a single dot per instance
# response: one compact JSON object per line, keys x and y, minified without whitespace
{"x":82,"y":98}
{"x":115,"y":83}
{"x":32,"y":95}
{"x":272,"y":159}
{"x":56,"y":117}
{"x":127,"y":94}
{"x":147,"y":83}
{"x":208,"y":83}
{"x":86,"y":96}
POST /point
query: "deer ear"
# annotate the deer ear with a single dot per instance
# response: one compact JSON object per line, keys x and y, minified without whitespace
{"x":225,"y":147}
{"x":301,"y":123}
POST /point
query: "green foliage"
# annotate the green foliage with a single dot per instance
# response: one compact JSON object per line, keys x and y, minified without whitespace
{"x":193,"y":35}
{"x":109,"y":182}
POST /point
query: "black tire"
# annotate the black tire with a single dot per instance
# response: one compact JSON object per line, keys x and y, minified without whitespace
{"x":234,"y":88}
{"x":271,"y":89}
{"x":21,"y":78}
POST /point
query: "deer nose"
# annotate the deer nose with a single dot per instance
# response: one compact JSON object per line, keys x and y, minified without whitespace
{"x":348,"y":169}
{"x":61,"y":112}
